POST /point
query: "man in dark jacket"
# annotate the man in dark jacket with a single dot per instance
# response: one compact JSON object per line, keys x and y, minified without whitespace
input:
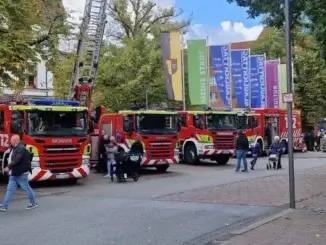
{"x":19,"y":166}
{"x":102,"y":161}
{"x":241,"y":147}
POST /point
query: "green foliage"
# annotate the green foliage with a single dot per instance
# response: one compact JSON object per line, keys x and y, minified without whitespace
{"x":309,"y":69}
{"x":132,"y":64}
{"x":29,"y":30}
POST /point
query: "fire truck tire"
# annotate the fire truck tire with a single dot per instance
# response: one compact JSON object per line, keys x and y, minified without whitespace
{"x":190,"y":154}
{"x":223,"y":159}
{"x":162,"y":168}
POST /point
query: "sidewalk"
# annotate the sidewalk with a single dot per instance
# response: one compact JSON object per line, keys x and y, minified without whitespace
{"x":304,"y":226}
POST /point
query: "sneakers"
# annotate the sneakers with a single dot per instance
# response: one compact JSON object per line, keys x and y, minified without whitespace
{"x":3,"y":208}
{"x":32,"y":206}
{"x":107,"y":176}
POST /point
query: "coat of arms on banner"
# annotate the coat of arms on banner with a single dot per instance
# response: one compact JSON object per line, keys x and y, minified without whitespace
{"x":172,"y":66}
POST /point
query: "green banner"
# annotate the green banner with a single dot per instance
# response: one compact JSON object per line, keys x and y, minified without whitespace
{"x":282,"y":84}
{"x":197,"y":72}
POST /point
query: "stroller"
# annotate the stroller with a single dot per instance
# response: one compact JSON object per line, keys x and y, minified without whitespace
{"x":127,"y":166}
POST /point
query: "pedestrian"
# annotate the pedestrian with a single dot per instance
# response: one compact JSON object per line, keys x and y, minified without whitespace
{"x":137,"y":149}
{"x":102,"y":161}
{"x":111,"y":149}
{"x":277,"y":148}
{"x":255,"y":152}
{"x":18,"y":168}
{"x":241,"y":147}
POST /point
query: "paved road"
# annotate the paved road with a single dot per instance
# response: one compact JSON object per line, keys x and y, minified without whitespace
{"x":147,"y":212}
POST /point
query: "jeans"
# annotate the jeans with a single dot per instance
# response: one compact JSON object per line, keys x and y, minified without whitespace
{"x":111,"y":165}
{"x":241,"y":155}
{"x":254,"y":160}
{"x":22,"y":181}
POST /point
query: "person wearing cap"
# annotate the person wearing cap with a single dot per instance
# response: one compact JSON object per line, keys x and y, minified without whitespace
{"x":276,"y":148}
{"x":111,"y":149}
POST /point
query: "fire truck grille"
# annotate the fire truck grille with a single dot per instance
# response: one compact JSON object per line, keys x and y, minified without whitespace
{"x":61,"y":149}
{"x":224,"y":142}
{"x":160,"y":150}
{"x":61,"y":165}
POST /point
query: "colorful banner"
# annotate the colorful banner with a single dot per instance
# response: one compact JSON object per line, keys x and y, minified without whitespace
{"x":282,"y":84}
{"x":257,"y":81}
{"x":240,"y":76}
{"x":220,"y":71}
{"x":272,"y":83}
{"x":197,"y":72}
{"x":171,"y":55}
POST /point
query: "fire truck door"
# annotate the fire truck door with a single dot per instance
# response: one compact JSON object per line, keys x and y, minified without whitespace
{"x":274,"y":123}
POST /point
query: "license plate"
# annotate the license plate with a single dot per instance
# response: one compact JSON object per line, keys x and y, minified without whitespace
{"x":161,"y":162}
{"x":62,"y":176}
{"x":226,"y":152}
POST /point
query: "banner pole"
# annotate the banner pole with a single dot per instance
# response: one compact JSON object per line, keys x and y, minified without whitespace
{"x":183,"y":73}
{"x":208,"y":73}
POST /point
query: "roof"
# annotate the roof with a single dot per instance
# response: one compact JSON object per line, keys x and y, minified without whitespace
{"x":148,"y":112}
{"x":46,"y":108}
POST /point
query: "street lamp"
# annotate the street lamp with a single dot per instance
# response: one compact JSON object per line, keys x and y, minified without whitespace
{"x":290,"y":103}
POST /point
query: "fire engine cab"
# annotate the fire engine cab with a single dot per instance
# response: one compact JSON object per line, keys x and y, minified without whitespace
{"x":158,"y":131}
{"x":261,"y":125}
{"x":55,"y":131}
{"x":207,"y":135}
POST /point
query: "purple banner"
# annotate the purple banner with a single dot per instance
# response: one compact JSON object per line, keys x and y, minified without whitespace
{"x":272,"y":83}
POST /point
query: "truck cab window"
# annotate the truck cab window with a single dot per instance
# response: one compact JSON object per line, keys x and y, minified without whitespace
{"x":182,"y":120}
{"x":128,"y":123}
{"x":254,"y":122}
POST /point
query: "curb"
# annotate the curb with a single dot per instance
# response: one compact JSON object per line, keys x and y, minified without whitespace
{"x":261,"y":222}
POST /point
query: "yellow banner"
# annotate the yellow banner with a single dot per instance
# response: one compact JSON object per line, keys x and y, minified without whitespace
{"x":175,"y":57}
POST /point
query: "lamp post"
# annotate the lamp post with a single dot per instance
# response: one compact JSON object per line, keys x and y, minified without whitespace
{"x":289,"y":104}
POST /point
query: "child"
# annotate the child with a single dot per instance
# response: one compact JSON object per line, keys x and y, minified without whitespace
{"x":111,"y":149}
{"x":255,"y":151}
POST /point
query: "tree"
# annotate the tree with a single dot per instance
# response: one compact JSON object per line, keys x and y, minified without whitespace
{"x":29,"y":30}
{"x":306,"y":14}
{"x":131,"y":62}
{"x":309,"y":67}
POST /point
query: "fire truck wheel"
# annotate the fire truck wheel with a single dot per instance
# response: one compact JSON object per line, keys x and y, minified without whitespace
{"x":190,"y":154}
{"x":162,"y":168}
{"x":223,"y":159}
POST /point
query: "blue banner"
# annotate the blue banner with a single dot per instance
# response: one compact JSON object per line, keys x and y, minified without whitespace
{"x":220,"y":61}
{"x":257,"y":81}
{"x":240,"y":70}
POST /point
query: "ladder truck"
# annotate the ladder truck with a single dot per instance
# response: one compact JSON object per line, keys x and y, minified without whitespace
{"x":86,"y":65}
{"x":88,"y":51}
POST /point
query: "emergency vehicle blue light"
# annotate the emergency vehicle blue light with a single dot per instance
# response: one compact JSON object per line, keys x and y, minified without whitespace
{"x":55,"y":102}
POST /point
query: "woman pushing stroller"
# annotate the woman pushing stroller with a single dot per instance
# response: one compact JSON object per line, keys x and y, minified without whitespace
{"x":276,"y":149}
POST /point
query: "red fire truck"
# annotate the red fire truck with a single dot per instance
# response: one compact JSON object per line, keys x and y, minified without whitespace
{"x":158,"y":131}
{"x":255,"y":122}
{"x":207,"y":135}
{"x":56,"y":132}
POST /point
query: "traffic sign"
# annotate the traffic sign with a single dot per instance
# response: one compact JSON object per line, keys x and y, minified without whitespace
{"x":287,"y":97}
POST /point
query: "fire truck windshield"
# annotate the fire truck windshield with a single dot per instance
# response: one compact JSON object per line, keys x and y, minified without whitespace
{"x":221,"y":122}
{"x":56,"y":123}
{"x":157,"y":124}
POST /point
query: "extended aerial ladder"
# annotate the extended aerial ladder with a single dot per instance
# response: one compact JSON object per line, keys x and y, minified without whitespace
{"x":88,"y":51}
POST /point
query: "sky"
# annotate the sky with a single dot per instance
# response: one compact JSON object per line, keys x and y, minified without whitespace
{"x":216,"y":20}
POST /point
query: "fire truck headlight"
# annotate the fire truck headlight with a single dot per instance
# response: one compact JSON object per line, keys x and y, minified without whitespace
{"x":35,"y":162}
{"x":85,"y":160}
{"x":87,"y":150}
{"x":33,"y":150}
